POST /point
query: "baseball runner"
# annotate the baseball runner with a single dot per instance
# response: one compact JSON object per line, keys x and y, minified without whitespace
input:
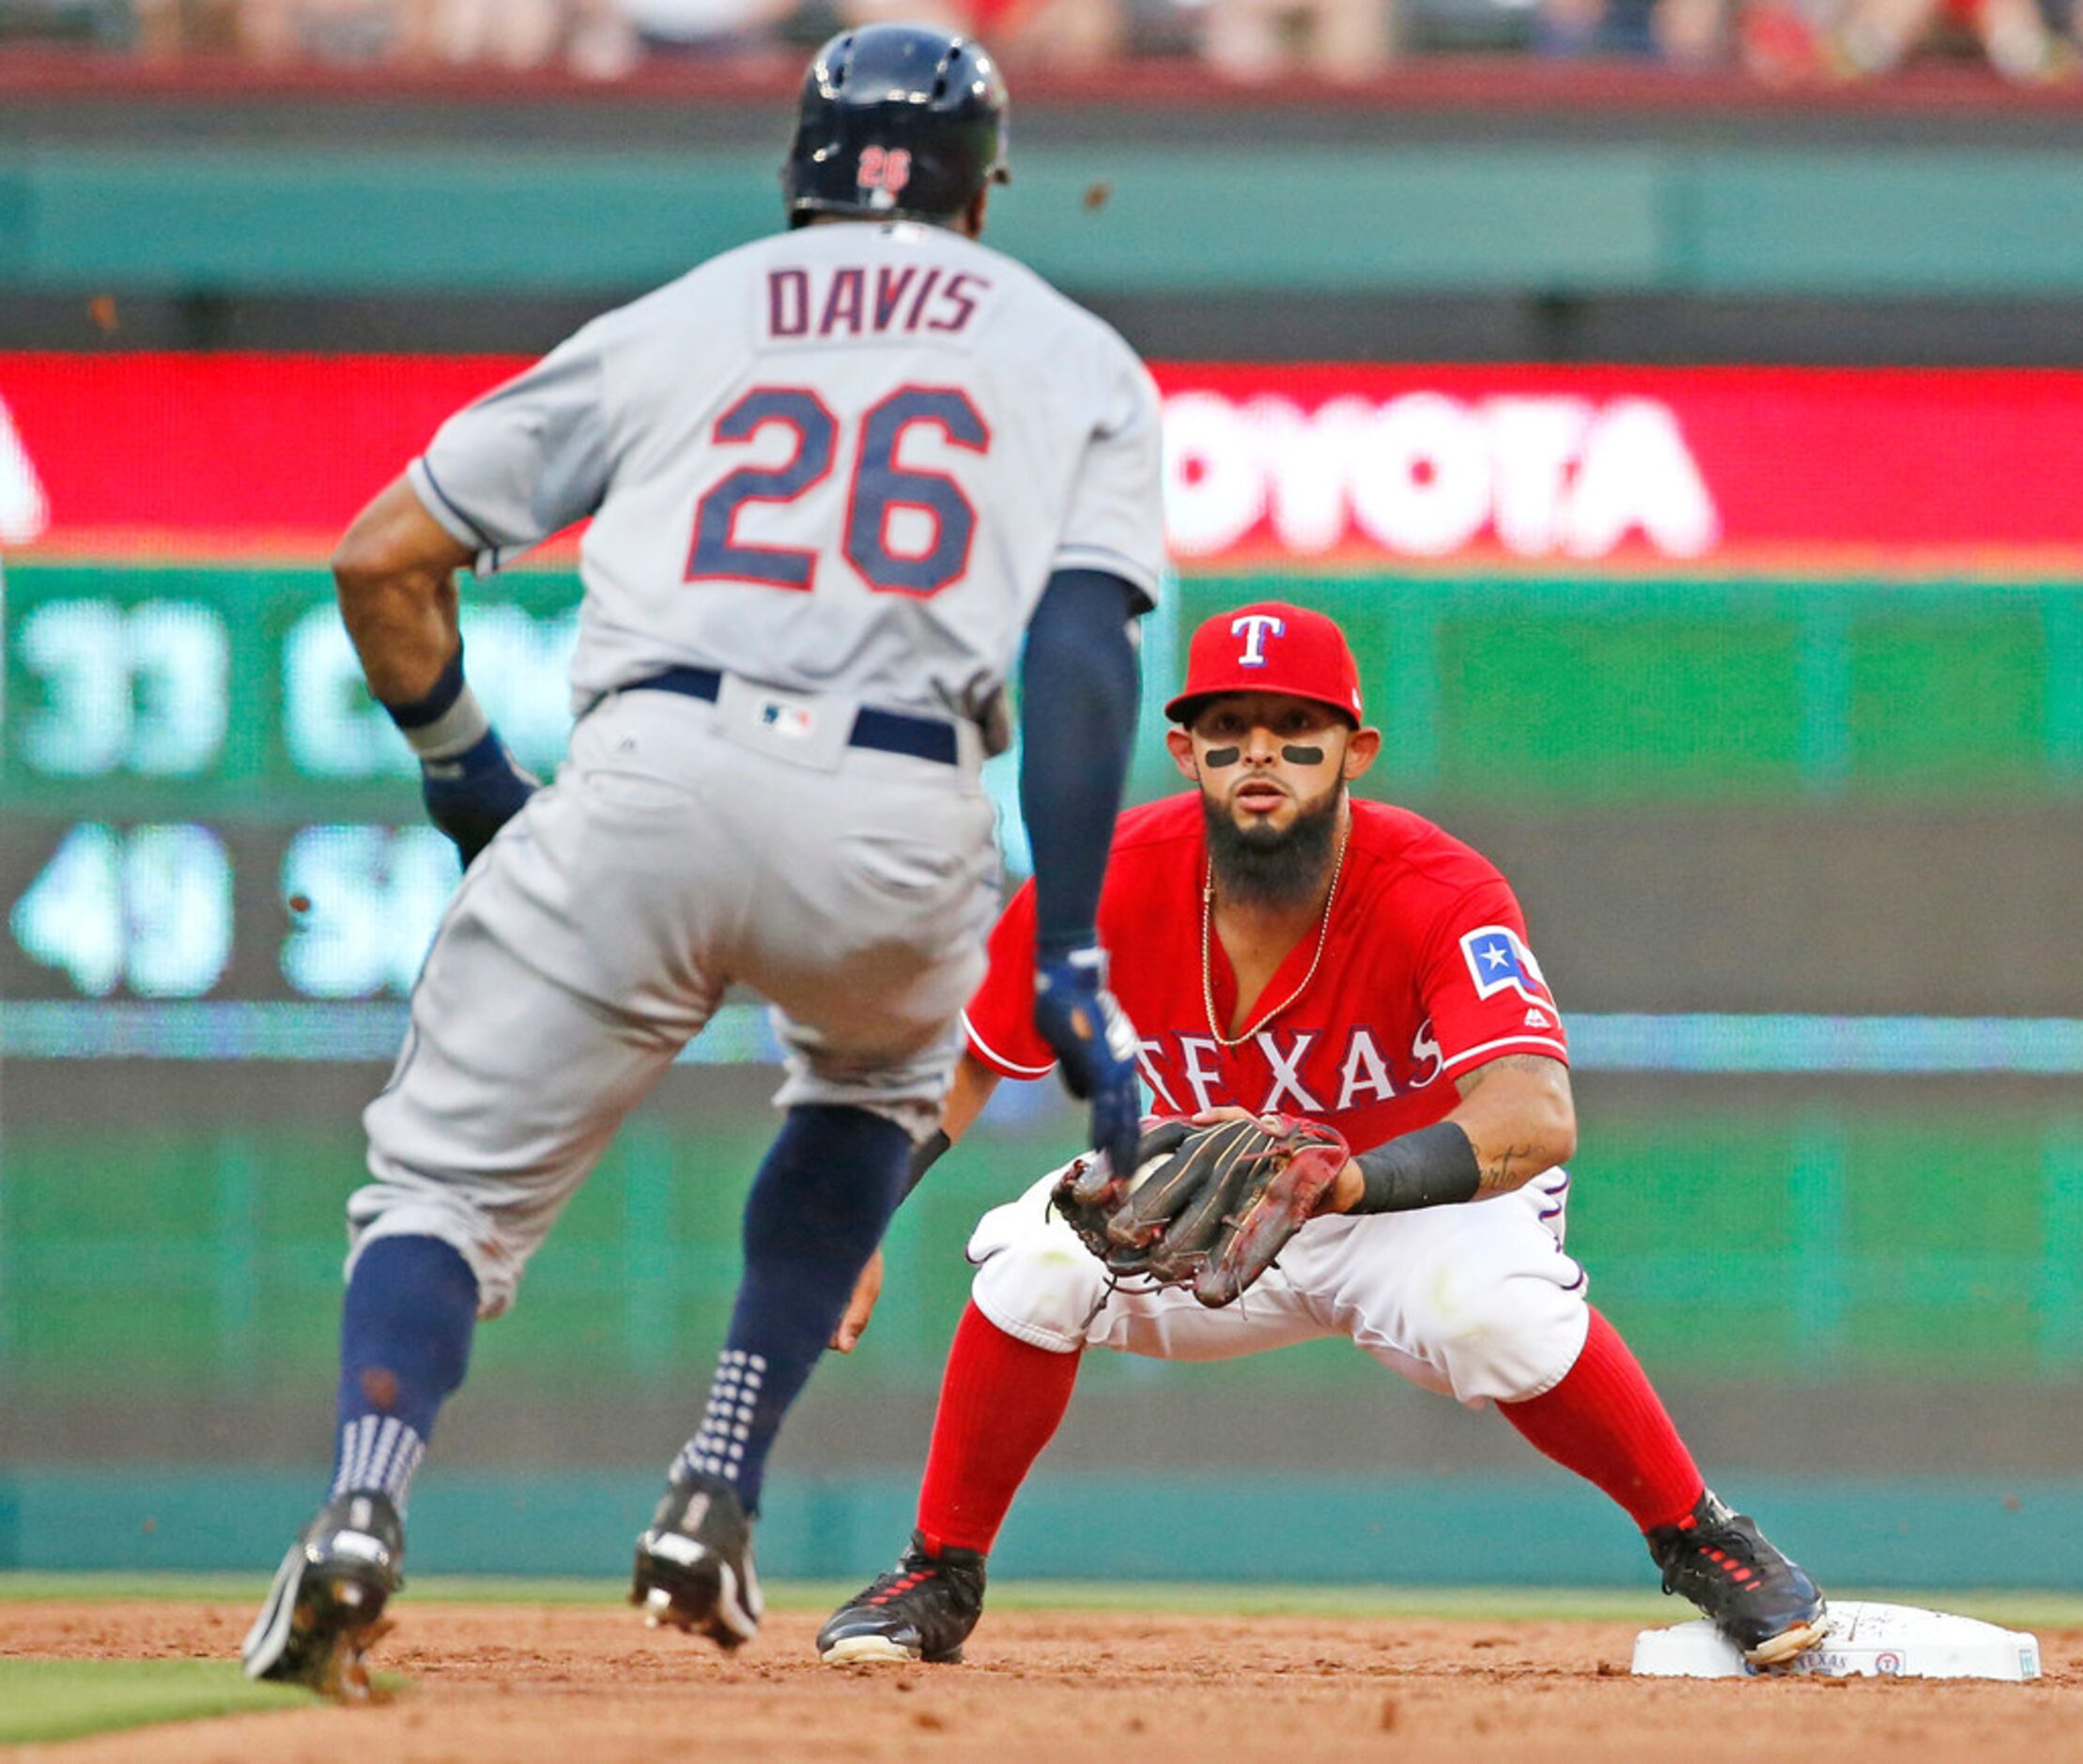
{"x":833,"y":477}
{"x":1364,"y":981}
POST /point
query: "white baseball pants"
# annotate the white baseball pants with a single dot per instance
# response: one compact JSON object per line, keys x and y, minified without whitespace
{"x":1479,"y":1302}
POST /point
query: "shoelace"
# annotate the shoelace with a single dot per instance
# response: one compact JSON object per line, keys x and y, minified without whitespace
{"x":890,"y":1586}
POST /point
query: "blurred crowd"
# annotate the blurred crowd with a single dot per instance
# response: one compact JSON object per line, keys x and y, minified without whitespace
{"x":1344,"y":41}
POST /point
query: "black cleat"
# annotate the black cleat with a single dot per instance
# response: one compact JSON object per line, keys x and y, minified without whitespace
{"x":694,"y":1565}
{"x":326,"y":1607}
{"x":923,"y":1609}
{"x":1762,"y":1601}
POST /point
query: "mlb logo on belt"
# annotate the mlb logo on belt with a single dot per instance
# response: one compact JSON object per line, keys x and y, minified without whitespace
{"x":793,"y":721}
{"x":1499,"y":959}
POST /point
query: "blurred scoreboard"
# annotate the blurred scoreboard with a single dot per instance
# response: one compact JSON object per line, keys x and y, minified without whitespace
{"x":201,"y":795}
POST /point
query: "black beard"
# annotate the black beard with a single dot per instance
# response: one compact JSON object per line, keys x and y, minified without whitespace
{"x":1259,"y":867}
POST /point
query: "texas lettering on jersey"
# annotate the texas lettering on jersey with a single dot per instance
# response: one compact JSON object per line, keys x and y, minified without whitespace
{"x":1426,"y":974}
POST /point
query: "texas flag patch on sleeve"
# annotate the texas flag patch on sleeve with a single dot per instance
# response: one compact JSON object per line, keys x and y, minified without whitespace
{"x":1499,"y":961}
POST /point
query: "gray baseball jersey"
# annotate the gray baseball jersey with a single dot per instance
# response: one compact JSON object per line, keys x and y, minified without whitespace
{"x":840,"y":459}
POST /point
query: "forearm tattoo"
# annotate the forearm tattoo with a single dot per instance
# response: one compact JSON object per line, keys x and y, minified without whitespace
{"x":1500,"y":1172}
{"x":1509,"y":1167}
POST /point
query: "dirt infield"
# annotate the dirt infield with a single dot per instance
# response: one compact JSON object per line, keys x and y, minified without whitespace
{"x":562,"y":1683}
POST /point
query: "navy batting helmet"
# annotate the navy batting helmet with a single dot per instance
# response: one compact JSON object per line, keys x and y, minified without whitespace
{"x":898,"y":120}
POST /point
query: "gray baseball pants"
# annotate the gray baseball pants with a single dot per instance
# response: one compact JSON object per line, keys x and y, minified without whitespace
{"x":686,"y":846}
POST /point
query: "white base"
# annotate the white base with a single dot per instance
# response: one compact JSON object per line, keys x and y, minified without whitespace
{"x":1865,"y":1641}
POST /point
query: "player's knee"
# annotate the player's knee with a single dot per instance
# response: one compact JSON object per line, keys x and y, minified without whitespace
{"x":404,"y":1209}
{"x":1043,"y":1288}
{"x":1499,"y":1335}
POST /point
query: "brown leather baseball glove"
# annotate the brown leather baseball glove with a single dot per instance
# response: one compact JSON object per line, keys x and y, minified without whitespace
{"x":1207,"y":1207}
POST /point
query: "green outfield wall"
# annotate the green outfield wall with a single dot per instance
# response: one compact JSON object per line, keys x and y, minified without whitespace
{"x":1807,"y":1278}
{"x":1558,"y":216}
{"x":1787,"y":1238}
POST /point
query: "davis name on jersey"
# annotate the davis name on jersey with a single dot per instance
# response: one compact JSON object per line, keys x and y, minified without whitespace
{"x":1426,"y":973}
{"x":850,"y":300}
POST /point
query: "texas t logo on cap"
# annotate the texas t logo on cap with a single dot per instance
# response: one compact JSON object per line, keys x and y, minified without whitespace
{"x":1255,"y":627}
{"x":1272,"y":647}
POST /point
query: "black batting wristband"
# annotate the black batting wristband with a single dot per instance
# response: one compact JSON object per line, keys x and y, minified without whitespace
{"x":439,"y":699}
{"x":448,"y":722}
{"x":924,"y":1155}
{"x":1435,"y":1166}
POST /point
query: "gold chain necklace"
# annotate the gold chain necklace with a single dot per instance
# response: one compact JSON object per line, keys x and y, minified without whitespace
{"x":1208,"y":952}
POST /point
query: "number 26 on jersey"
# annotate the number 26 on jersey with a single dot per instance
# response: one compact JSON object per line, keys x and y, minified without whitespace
{"x":880,"y":488}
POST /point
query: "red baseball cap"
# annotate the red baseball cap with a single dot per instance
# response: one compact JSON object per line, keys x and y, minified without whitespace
{"x":1270,"y":646}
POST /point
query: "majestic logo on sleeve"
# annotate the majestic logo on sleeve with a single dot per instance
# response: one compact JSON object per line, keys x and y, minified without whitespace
{"x":1498,"y":960}
{"x":1255,"y":627}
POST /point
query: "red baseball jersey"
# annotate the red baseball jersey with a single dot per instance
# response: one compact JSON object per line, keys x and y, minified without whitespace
{"x":1426,"y":975}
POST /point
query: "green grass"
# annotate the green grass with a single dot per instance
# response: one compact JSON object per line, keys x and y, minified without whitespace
{"x":2023,"y":1609}
{"x":65,"y":1699}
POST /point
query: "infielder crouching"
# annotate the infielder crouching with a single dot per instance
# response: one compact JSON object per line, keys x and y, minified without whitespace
{"x":1282,"y":947}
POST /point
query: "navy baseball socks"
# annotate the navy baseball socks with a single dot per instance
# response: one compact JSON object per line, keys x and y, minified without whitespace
{"x":817,"y":1210}
{"x":404,"y":1343}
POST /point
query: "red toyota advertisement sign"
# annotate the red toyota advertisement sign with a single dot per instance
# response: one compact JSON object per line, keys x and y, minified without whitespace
{"x":1324,"y":466}
{"x":1732,"y":468}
